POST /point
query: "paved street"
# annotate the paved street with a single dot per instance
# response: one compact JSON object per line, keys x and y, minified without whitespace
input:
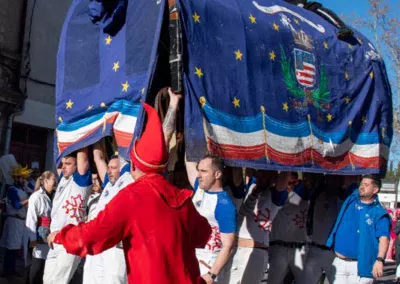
{"x":23,"y":272}
{"x":389,"y":276}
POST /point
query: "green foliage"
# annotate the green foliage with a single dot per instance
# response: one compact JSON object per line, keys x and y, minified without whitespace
{"x":392,"y":175}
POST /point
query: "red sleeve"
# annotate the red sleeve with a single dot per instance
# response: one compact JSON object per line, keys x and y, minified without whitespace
{"x":105,"y":231}
{"x":201,"y":228}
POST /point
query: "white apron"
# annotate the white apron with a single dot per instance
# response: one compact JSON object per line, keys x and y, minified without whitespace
{"x":14,"y":228}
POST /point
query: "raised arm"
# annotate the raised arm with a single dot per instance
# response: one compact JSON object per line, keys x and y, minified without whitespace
{"x":99,"y":160}
{"x":59,"y":169}
{"x":237,"y":176}
{"x":191,"y":169}
{"x":82,"y":161}
{"x":170,"y":117}
{"x":235,"y":182}
{"x":282,"y":181}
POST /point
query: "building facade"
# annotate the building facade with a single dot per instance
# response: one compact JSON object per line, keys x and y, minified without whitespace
{"x":29,"y":36}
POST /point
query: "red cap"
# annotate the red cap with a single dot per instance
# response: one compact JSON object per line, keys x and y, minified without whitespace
{"x":149,"y":153}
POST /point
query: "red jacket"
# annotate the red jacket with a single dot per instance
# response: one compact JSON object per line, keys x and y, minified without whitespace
{"x":159,"y":228}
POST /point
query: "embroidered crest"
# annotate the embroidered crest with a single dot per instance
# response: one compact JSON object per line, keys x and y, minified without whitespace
{"x":305,"y":67}
{"x":74,"y":207}
{"x":301,"y":81}
{"x":262,"y":219}
{"x":300,"y":219}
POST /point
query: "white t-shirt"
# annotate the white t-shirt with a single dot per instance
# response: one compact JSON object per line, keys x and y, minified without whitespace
{"x":39,"y":206}
{"x":110,"y":191}
{"x":289,"y":224}
{"x":69,"y":203}
{"x":92,"y":204}
{"x":257,"y":210}
{"x":219,"y":210}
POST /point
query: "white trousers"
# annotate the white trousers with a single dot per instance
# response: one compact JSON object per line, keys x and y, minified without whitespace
{"x":60,"y":267}
{"x":281,"y":259}
{"x":108,"y":267}
{"x":247,"y":266}
{"x":345,"y":272}
{"x":317,"y":261}
{"x":206,"y":260}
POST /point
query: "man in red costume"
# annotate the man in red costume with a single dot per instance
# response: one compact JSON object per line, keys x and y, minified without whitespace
{"x":156,"y":222}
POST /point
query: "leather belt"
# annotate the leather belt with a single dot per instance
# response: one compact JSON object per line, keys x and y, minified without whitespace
{"x":249,"y":243}
{"x":312,"y":244}
{"x":347,"y":259}
{"x":287,"y":244}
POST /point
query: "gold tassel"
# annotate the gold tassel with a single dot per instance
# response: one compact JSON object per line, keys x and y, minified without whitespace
{"x":265,"y":134}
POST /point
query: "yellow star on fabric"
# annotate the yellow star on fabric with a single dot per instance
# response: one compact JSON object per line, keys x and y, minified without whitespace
{"x":297,"y":21}
{"x":108,"y":40}
{"x":383,"y":131}
{"x":346,"y":75}
{"x":198,"y":72}
{"x":364,"y":120}
{"x":252,"y":19}
{"x":103,"y":104}
{"x":125,"y":86}
{"x":60,"y":119}
{"x":329,"y":117}
{"x":69,"y":104}
{"x":272,"y":55}
{"x":347,"y":99}
{"x":196,"y":18}
{"x":360,"y":41}
{"x":89,"y":107}
{"x":350,"y":46}
{"x":285,"y":107}
{"x":371,"y":75}
{"x":236,"y":102}
{"x":276,"y":27}
{"x":142,"y":91}
{"x":116,"y":66}
{"x":238,"y":55}
{"x":326,"y":45}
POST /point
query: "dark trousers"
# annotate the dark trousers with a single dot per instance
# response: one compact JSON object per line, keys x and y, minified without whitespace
{"x":10,"y":259}
{"x":37,"y":270}
{"x":397,"y":250}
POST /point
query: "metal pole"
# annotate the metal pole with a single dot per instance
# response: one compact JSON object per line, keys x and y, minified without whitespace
{"x":175,"y":48}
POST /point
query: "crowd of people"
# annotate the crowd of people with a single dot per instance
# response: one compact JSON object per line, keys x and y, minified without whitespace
{"x":130,"y":224}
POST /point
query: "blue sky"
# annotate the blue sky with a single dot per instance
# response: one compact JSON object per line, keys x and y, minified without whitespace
{"x":361,"y":8}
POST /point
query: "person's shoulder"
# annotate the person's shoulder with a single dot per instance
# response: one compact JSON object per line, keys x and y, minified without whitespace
{"x":37,"y":194}
{"x":224,"y":199}
{"x":381,"y":210}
